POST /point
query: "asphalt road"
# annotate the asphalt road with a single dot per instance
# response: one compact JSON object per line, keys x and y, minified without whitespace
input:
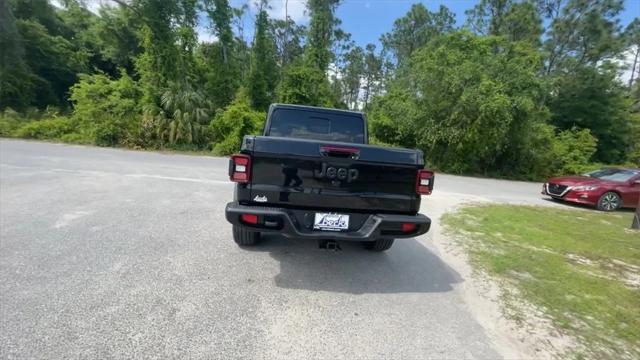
{"x":107,"y":253}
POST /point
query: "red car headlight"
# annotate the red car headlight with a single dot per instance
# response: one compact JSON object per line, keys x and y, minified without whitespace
{"x":584,"y":188}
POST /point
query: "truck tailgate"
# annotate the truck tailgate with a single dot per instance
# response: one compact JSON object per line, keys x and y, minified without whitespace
{"x":332,"y":176}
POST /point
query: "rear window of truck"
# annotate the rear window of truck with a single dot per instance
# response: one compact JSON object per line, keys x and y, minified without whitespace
{"x":304,"y":124}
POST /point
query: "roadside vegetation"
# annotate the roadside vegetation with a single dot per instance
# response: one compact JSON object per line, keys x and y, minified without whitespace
{"x":580,"y":268}
{"x":524,"y":89}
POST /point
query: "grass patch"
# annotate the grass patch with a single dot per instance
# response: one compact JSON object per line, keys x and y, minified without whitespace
{"x":581,"y":268}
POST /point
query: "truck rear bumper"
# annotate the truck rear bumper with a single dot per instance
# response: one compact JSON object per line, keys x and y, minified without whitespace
{"x":298,"y":224}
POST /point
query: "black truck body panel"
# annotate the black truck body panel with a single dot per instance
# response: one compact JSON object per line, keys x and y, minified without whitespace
{"x":292,"y":178}
{"x":296,"y":223}
{"x":289,"y":172}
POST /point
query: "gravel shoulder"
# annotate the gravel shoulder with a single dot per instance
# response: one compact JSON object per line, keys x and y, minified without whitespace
{"x":535,"y":339}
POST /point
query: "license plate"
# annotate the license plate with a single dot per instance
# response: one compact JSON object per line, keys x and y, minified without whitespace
{"x":331,"y":222}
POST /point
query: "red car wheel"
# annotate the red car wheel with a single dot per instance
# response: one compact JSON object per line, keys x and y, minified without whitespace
{"x":609,"y":201}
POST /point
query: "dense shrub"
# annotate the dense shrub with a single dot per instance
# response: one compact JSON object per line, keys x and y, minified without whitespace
{"x":231,"y":125}
{"x":48,"y":129}
{"x":74,"y":138}
{"x":107,"y":112}
{"x":573,"y":150}
{"x":393,"y":118}
{"x":10,"y":121}
{"x":182,"y":117}
{"x":375,"y":141}
{"x":634,"y":133}
{"x":552,"y":153}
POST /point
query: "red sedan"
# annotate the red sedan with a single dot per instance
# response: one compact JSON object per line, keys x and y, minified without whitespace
{"x":606,"y":189}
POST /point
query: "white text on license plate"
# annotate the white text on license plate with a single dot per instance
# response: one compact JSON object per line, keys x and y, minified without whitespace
{"x":331,"y":222}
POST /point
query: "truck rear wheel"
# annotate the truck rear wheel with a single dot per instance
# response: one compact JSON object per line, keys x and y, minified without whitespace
{"x":380,"y":244}
{"x":244,"y":237}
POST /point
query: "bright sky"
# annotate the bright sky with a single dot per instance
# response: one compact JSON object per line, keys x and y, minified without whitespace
{"x":367,"y":20}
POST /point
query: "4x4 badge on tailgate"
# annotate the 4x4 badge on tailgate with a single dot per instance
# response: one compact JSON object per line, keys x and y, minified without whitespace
{"x":259,"y":198}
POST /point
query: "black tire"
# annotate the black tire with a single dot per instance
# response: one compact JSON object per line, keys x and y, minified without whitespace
{"x":380,"y":244}
{"x":609,"y":201}
{"x":244,"y":237}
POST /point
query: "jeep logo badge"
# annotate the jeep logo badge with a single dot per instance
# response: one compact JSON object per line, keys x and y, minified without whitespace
{"x":336,"y":173}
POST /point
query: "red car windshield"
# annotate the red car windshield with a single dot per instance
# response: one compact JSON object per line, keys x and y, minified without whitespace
{"x":613,"y":174}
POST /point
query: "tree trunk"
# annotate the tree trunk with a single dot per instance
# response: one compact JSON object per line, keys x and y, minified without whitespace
{"x":636,"y":219}
{"x":633,"y":68}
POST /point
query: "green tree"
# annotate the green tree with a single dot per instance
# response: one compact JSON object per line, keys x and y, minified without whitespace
{"x":518,"y":21}
{"x":116,"y":36}
{"x":264,"y":71}
{"x":321,"y":33}
{"x":224,"y":74}
{"x":174,"y":104}
{"x":416,"y":29}
{"x":53,"y":61}
{"x":242,"y":49}
{"x":16,"y":79}
{"x":632,"y":41}
{"x":593,"y":99}
{"x":42,"y":12}
{"x":487,"y":17}
{"x":582,"y":41}
{"x":78,"y":23}
{"x":479,"y":101}
{"x":394,"y":116}
{"x":289,"y":37}
{"x":49,"y":52}
{"x":523,"y":23}
{"x":304,"y":85}
{"x":352,"y":76}
{"x":582,"y":33}
{"x":305,"y":82}
{"x":341,"y":47}
{"x":186,"y":38}
{"x":634,"y":124}
{"x":156,"y":65}
{"x":372,"y":74}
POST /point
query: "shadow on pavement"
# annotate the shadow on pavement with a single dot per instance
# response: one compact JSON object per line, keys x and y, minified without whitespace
{"x":407,"y":267}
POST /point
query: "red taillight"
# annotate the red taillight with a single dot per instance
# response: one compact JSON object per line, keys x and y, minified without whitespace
{"x":424,"y":182}
{"x":240,"y":168}
{"x":249,"y":218}
{"x":409,"y":227}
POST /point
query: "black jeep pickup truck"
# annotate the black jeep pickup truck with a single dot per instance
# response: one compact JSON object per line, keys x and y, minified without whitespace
{"x":312,"y":175}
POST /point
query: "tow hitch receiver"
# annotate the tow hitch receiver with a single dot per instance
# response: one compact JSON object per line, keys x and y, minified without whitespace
{"x":329,"y":245}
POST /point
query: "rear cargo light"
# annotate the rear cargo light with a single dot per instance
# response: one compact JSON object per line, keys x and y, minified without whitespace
{"x":340,"y":151}
{"x":409,"y":227}
{"x":424,"y":182}
{"x":249,"y":218}
{"x":240,"y":168}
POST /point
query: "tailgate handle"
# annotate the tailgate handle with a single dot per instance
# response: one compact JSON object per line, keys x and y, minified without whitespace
{"x":339,"y":151}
